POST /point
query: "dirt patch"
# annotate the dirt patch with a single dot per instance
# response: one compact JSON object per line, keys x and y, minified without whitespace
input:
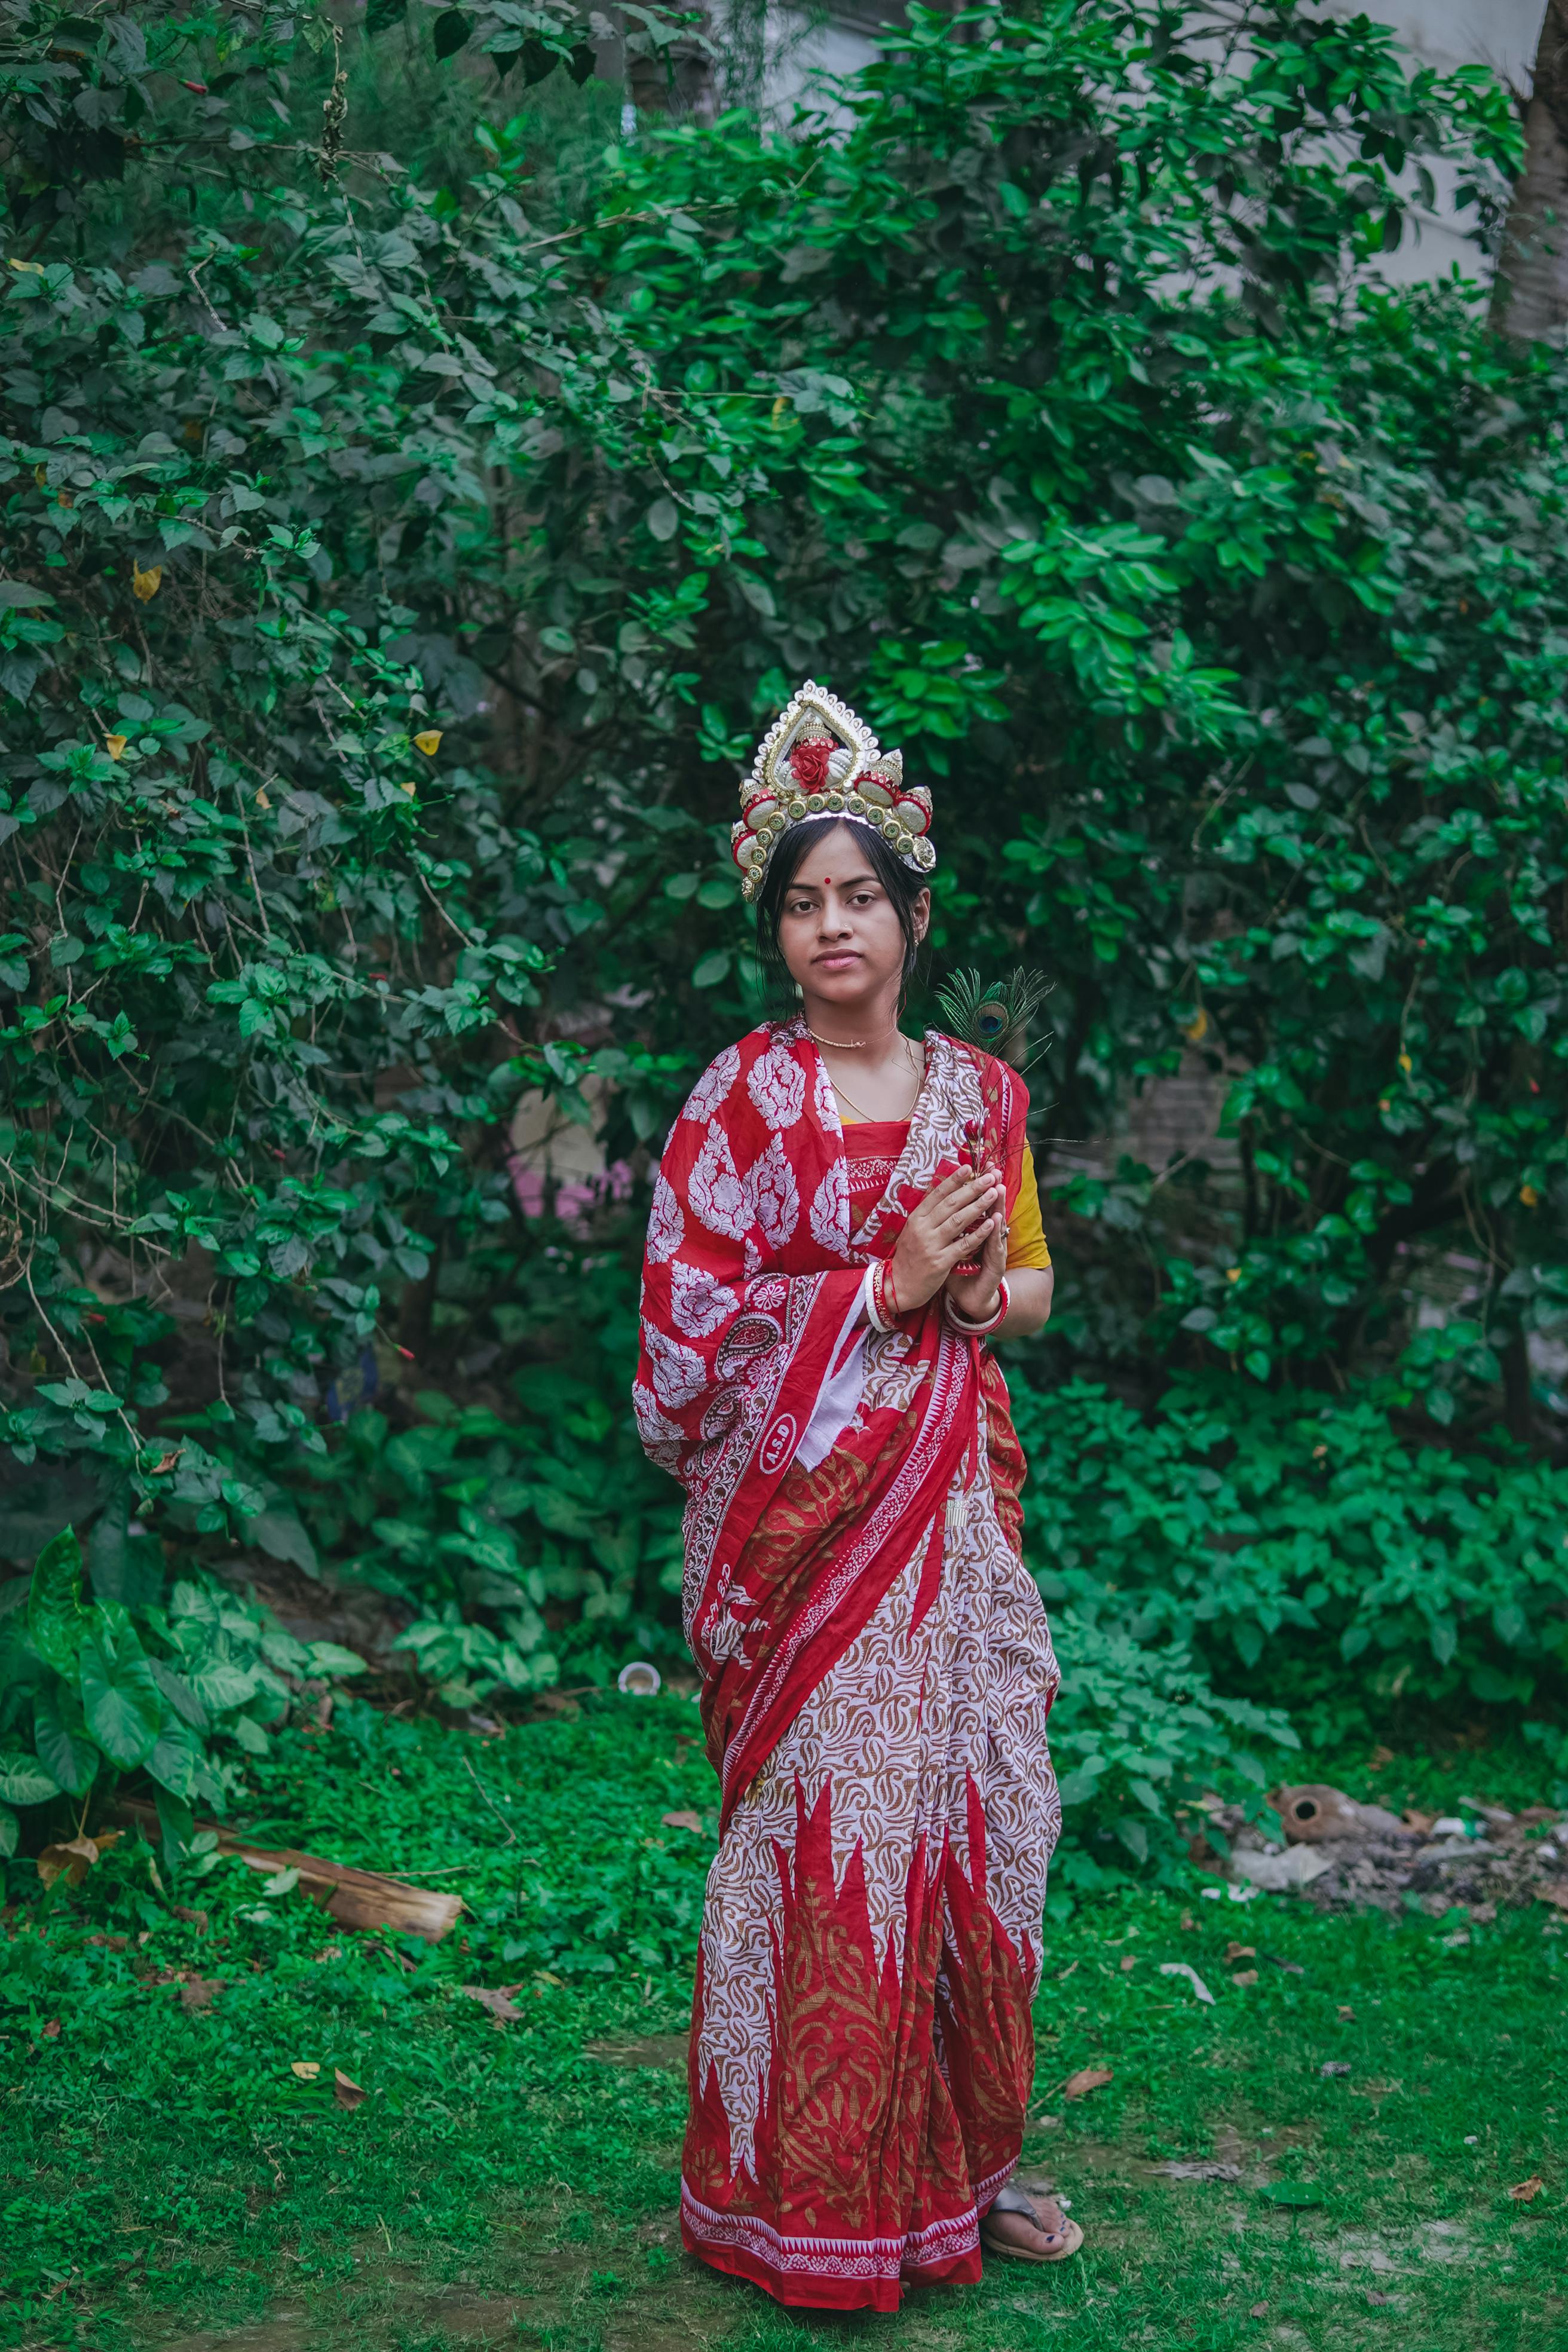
{"x":478,"y":2319}
{"x":454,"y":2312}
{"x":285,"y":2331}
{"x":665,"y":2051}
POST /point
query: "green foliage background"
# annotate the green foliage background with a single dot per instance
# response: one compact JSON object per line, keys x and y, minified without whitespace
{"x":417,"y":493}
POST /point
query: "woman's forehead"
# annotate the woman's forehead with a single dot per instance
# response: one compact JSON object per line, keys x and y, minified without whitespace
{"x":838,"y":857}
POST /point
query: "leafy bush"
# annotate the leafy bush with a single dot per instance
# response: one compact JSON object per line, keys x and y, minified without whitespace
{"x":1257,"y":1525}
{"x":181,"y":1690}
{"x":1139,"y":1738}
{"x":398,"y":561}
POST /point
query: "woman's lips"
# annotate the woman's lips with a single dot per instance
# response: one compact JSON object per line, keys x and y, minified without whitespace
{"x":839,"y":961}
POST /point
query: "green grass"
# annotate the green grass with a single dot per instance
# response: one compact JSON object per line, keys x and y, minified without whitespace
{"x":166,"y":2179}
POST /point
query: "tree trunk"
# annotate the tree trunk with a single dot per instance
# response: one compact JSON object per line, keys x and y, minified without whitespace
{"x":1530,"y":295}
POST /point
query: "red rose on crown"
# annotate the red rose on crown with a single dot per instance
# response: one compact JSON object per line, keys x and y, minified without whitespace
{"x":808,"y":764}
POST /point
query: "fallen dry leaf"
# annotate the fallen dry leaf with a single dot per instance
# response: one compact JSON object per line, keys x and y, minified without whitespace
{"x":1373,"y":2296}
{"x":1525,"y":2192}
{"x":1344,"y":2013}
{"x":1181,"y":1968}
{"x":52,"y":2033}
{"x":1241,"y":1951}
{"x":73,"y":1857}
{"x":347,"y":2093}
{"x":200,"y":1992}
{"x":307,"y":2069}
{"x":1259,"y":2309}
{"x":1333,"y":2066}
{"x":496,"y":1998}
{"x":1064,"y":1973}
{"x":681,"y":1822}
{"x":1244,"y":1976}
{"x":115,"y":744}
{"x":1128,"y":1965}
{"x":1555,"y":1890}
{"x":1087,"y":2079}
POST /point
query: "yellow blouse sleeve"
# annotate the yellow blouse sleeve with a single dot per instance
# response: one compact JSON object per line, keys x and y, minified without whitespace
{"x":1025,"y":1231}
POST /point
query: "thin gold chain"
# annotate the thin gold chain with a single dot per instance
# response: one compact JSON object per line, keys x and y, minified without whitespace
{"x":866,"y":1115}
{"x":850,"y":1044}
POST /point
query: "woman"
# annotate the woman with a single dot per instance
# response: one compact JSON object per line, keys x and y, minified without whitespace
{"x":841,"y":1223}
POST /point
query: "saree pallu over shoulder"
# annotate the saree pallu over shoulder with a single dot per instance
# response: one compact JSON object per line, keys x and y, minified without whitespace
{"x":818,"y":1456}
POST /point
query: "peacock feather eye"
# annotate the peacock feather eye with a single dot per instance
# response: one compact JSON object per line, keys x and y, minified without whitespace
{"x":993,"y":1014}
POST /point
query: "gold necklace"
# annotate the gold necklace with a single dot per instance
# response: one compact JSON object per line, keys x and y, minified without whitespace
{"x":855,"y":1107}
{"x":850,"y":1044}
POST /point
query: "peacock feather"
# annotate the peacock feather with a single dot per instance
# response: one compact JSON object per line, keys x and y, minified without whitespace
{"x":993,"y":1014}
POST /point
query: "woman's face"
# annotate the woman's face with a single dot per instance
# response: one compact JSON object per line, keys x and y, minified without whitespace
{"x":839,"y":930}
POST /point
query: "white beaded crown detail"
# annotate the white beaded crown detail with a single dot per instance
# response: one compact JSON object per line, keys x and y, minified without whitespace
{"x":818,"y":759}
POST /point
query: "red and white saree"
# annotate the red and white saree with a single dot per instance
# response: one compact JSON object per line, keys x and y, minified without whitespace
{"x":876,"y":1677}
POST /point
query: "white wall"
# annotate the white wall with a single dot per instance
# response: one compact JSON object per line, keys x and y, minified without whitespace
{"x":1501,"y":34}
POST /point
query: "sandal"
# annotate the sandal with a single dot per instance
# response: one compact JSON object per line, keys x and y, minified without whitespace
{"x":1062,"y":2241}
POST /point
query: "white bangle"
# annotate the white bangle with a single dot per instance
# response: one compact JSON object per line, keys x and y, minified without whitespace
{"x":868,"y":1301}
{"x":976,"y":1329}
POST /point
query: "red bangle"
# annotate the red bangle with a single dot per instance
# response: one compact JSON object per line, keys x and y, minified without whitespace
{"x":973,"y":1330}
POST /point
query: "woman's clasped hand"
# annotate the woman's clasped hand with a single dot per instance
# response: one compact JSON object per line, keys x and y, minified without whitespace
{"x":953,"y":1224}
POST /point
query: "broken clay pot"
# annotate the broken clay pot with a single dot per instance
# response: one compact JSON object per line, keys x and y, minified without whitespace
{"x":1315,"y":1814}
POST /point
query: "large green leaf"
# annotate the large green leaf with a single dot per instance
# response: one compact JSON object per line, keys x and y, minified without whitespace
{"x":332,"y":1658}
{"x":174,"y":1759}
{"x":10,"y":1831}
{"x":121,"y":1564}
{"x":179,"y":1694}
{"x":280,"y":1533}
{"x":57,"y":1621}
{"x":23,"y":1780}
{"x":219,"y":1684}
{"x":119,"y":1694}
{"x":60,"y":1736}
{"x":177,"y":1823}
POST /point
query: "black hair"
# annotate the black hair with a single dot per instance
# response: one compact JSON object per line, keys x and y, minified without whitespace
{"x":902,"y":885}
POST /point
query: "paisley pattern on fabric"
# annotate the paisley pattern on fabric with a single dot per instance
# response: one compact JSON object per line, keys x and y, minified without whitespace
{"x":699,"y":1304}
{"x":713,"y":1085}
{"x":774,"y":1195}
{"x":678,"y":1371}
{"x":830,"y":1211}
{"x":715,"y":1189}
{"x":777,"y":1084}
{"x":666,"y":1226}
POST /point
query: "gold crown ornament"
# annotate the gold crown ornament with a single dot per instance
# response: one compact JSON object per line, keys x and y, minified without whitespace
{"x":818,"y":759}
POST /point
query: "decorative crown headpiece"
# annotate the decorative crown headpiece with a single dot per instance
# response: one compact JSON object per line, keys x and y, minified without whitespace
{"x":817,"y":759}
